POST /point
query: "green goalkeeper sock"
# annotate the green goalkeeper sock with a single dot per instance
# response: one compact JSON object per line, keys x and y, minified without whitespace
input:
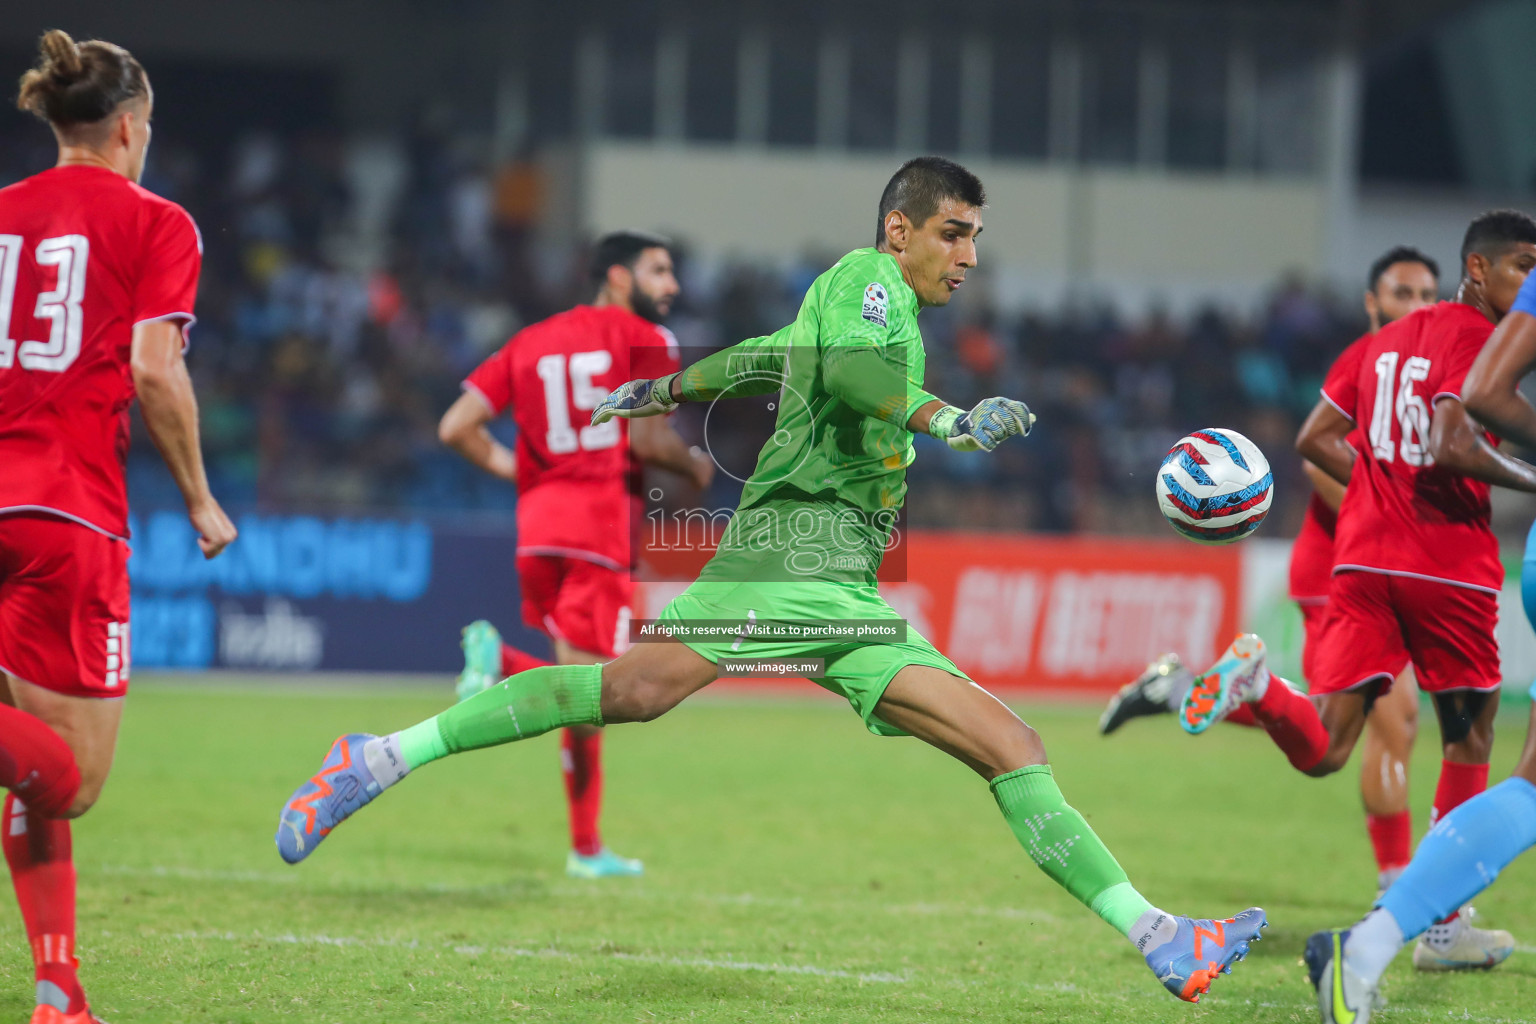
{"x":525,"y":705}
{"x":1063,"y":845}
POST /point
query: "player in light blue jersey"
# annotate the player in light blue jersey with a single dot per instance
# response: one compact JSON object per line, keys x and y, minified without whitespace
{"x":1464,"y":853}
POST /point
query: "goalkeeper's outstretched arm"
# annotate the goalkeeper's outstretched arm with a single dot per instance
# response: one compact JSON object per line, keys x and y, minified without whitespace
{"x":857,"y":374}
{"x":862,"y":378}
{"x":752,"y":367}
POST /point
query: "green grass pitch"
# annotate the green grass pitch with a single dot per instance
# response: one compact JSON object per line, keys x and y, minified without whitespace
{"x":798,"y":870}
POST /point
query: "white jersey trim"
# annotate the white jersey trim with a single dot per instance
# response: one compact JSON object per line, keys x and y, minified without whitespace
{"x":1413,"y":575}
{"x":178,"y":315}
{"x":1327,"y":398}
{"x":13,"y":509}
{"x":1389,"y":677}
{"x":467,"y":386}
{"x":585,"y":556}
{"x":186,"y":340}
{"x":13,"y":675}
{"x":1445,"y":394}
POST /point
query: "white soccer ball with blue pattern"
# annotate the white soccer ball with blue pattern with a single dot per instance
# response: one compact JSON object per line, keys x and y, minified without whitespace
{"x":1215,"y":486}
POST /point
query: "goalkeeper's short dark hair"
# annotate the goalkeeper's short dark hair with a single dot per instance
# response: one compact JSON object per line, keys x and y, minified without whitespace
{"x":922,"y":184}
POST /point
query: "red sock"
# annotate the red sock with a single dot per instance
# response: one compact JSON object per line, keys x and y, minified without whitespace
{"x":36,"y":764}
{"x":1292,"y":722}
{"x":1458,"y":784}
{"x":581,"y":758}
{"x":40,"y":856}
{"x":1242,"y":715}
{"x":514,"y":661}
{"x":1391,"y":838}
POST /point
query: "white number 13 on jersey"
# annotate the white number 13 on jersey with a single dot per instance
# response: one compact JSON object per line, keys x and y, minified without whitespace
{"x":1410,"y":411}
{"x":61,"y":305}
{"x":563,"y":438}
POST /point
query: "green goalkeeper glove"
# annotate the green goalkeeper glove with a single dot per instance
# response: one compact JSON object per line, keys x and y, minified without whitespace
{"x":636,"y":399}
{"x":984,"y":427}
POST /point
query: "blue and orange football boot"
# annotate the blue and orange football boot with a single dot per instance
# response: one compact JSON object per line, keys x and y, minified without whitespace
{"x":1201,"y":949}
{"x":345,"y":782}
{"x":1233,"y":680}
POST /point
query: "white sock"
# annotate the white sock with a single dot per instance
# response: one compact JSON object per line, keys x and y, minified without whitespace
{"x":1152,"y":929}
{"x":1442,"y":936}
{"x":1372,"y":944}
{"x":384,"y":760}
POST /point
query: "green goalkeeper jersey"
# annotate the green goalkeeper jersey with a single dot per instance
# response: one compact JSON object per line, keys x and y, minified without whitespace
{"x":823,"y":499}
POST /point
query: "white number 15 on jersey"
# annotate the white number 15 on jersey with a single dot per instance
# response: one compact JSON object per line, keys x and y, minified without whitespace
{"x":562,"y":436}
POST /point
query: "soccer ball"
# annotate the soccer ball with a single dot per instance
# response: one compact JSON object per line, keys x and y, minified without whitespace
{"x":1215,"y":486}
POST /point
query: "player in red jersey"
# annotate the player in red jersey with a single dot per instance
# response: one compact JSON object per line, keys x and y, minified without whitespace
{"x":97,"y":282}
{"x":1416,"y":572}
{"x":578,"y":489}
{"x":1401,"y":281}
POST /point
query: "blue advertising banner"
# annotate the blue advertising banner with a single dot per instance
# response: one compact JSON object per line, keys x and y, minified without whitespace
{"x":306,"y":592}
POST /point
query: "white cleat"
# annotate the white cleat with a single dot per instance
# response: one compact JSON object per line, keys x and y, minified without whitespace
{"x":1468,"y":948}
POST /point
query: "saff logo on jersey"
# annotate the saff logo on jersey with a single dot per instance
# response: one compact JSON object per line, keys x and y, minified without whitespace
{"x":875,"y":302}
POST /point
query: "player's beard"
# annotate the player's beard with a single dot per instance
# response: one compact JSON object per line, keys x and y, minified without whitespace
{"x":645,"y":306}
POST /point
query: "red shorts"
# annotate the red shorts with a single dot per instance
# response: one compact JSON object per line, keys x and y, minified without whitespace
{"x":585,"y":604}
{"x":1314,"y":613}
{"x":1376,"y":623}
{"x":63,"y":606}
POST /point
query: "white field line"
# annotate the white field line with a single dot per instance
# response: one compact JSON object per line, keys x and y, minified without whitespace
{"x":610,"y":893}
{"x":737,"y":899}
{"x":1139,"y":995}
{"x":606,"y":893}
{"x":708,"y":963}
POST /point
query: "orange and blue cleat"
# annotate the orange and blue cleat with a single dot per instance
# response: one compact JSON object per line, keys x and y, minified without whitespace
{"x":1234,"y":679}
{"x":346,"y":781}
{"x":1201,"y":949}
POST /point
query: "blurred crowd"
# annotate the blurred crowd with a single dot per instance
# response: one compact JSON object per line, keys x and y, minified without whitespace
{"x":348,"y":289}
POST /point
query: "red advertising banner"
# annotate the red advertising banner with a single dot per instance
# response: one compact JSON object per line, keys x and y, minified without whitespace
{"x":1054,"y":614}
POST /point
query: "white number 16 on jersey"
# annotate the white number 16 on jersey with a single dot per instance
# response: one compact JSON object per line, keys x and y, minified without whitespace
{"x":70,"y":254}
{"x":1412,"y":415}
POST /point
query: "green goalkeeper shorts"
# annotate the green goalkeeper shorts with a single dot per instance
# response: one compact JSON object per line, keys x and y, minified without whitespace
{"x":859,"y":671}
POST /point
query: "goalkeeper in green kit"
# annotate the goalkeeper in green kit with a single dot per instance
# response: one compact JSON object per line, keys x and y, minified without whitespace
{"x":802,"y":548}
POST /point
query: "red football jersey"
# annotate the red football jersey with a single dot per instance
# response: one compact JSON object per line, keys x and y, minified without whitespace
{"x":576,"y":483}
{"x":85,"y":255}
{"x":1312,"y":554}
{"x":1402,"y":514}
